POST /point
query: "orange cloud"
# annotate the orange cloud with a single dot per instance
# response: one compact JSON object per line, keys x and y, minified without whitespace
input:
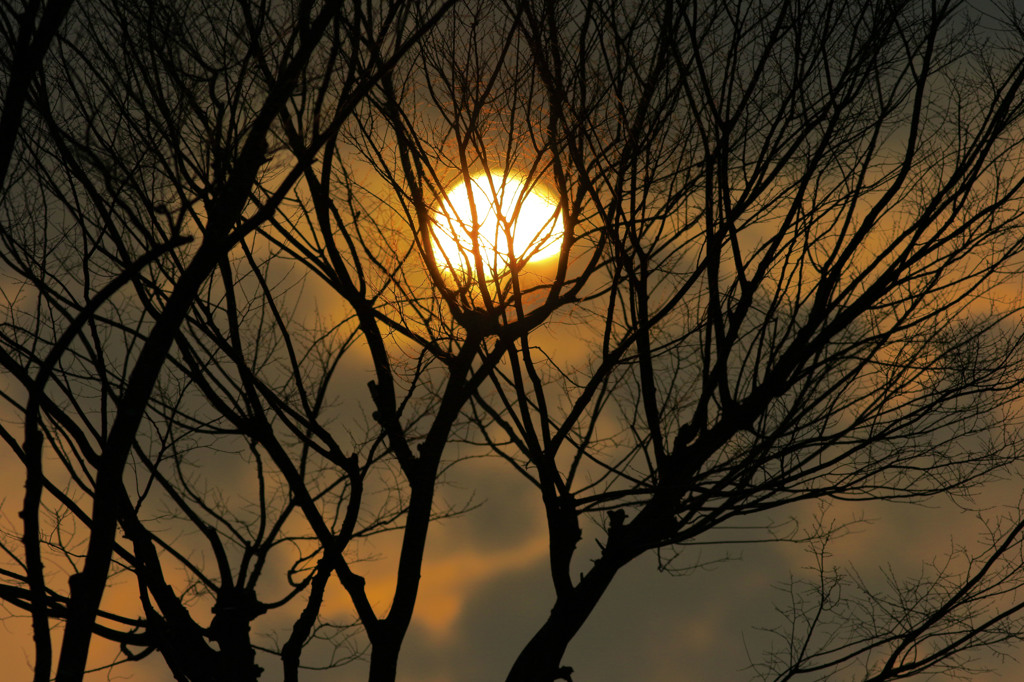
{"x":448,"y":581}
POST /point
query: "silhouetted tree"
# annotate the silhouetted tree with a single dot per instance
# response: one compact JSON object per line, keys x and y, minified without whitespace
{"x":790,"y":232}
{"x":792,"y":241}
{"x":154,"y":140}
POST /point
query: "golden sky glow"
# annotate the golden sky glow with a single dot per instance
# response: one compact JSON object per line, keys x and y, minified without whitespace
{"x":501,"y":218}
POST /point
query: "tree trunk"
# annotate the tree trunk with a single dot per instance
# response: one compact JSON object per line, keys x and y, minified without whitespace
{"x":540,"y":660}
{"x":384,"y":661}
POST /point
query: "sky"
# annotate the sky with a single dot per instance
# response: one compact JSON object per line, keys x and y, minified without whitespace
{"x":486,"y":588}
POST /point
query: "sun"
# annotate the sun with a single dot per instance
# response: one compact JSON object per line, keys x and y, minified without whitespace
{"x":500,"y":218}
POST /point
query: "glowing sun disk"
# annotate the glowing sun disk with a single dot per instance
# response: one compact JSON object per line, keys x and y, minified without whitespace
{"x":514,"y":223}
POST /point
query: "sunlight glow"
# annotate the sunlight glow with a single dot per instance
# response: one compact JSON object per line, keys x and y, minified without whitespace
{"x":514,"y":224}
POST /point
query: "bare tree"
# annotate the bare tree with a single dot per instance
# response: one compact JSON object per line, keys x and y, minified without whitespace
{"x":28,"y":34}
{"x":786,"y":232}
{"x":791,"y":235}
{"x":142,"y":324}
